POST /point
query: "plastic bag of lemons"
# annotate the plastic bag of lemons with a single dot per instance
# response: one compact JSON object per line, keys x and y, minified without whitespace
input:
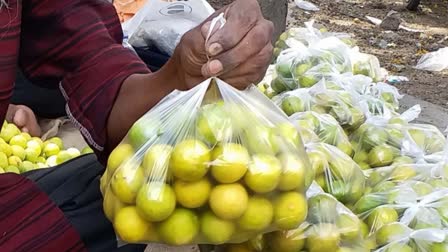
{"x":326,"y":128}
{"x":411,"y":203}
{"x":397,"y":237}
{"x":210,"y":165}
{"x":336,"y":172}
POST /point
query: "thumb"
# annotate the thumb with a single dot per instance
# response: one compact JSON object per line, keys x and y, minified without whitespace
{"x":20,"y":118}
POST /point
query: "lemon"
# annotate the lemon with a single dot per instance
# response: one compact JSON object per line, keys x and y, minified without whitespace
{"x":33,"y":144}
{"x":323,"y":237}
{"x":26,"y":166}
{"x":51,"y":149}
{"x":156,"y":162}
{"x":111,"y":205}
{"x":126,"y":183}
{"x":132,"y":228}
{"x":31,"y":154}
{"x":192,"y":194}
{"x":12,"y":169}
{"x":63,"y":156}
{"x":14,"y":161}
{"x":259,"y":140}
{"x":293,"y":174}
{"x":2,"y":170}
{"x":120,"y":154}
{"x":229,"y":163}
{"x":381,"y":155}
{"x":73,"y":152}
{"x":180,"y":228}
{"x":18,"y":151}
{"x":26,"y":136}
{"x":190,"y":160}
{"x":292,"y":104}
{"x":391,"y":232}
{"x":37,"y":140}
{"x":285,"y":241}
{"x":213,"y":123}
{"x":86,"y":150}
{"x":403,"y":172}
{"x":144,"y":130}
{"x":156,"y":201}
{"x":19,"y":140}
{"x":290,"y":210}
{"x":286,"y":138}
{"x":57,"y":141}
{"x":349,"y":226}
{"x":216,"y":230}
{"x":228,"y":201}
{"x":318,"y":161}
{"x":41,"y":160}
{"x":6,"y":148}
{"x":439,"y":247}
{"x":9,"y":131}
{"x":51,"y":161}
{"x":381,"y":216}
{"x":258,"y":215}
{"x":3,"y":160}
{"x":264,"y":173}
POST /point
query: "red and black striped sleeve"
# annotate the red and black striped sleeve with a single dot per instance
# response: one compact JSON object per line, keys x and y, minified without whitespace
{"x":79,"y":45}
{"x":30,"y":221}
{"x":10,"y":17}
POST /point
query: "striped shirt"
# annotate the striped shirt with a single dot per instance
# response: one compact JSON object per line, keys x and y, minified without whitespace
{"x":30,"y":221}
{"x":76,"y":45}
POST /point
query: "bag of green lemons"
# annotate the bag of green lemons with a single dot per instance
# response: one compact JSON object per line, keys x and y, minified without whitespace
{"x":210,"y":165}
{"x":336,"y":172}
{"x":330,"y":226}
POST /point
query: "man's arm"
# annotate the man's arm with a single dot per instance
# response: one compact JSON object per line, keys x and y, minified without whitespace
{"x":107,"y":87}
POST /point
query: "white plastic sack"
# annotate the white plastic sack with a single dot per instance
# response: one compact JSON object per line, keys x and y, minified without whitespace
{"x":162,"y":23}
{"x":434,"y":61}
{"x":305,"y":5}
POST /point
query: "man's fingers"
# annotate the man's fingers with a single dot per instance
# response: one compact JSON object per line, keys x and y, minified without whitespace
{"x":26,"y":121}
{"x":255,"y":41}
{"x":251,"y":71}
{"x":241,"y":17}
{"x":20,"y":118}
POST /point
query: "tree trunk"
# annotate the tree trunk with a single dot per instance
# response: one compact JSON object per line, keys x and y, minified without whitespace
{"x":274,"y":10}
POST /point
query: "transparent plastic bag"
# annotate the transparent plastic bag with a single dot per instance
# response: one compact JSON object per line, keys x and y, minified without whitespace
{"x":434,"y":61}
{"x":163,"y":23}
{"x":329,"y":56}
{"x":210,"y":165}
{"x":295,"y":101}
{"x":341,"y":104}
{"x":283,"y":79}
{"x":367,"y":64}
{"x":398,"y":237}
{"x":379,"y":141}
{"x":422,"y":140}
{"x":326,"y":128}
{"x":330,"y":226}
{"x":336,"y":172}
{"x":410,"y":203}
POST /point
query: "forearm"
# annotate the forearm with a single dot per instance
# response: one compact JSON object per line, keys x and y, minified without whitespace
{"x":138,"y":94}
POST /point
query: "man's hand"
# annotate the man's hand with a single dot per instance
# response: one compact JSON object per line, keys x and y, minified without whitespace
{"x":24,"y":118}
{"x":239,"y":52}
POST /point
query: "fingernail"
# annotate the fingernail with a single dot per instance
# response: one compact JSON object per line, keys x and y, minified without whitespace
{"x":215,"y":67}
{"x":214,"y":49}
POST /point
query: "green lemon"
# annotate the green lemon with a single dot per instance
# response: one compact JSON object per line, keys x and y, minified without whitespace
{"x":117,"y":157}
{"x":192,"y":194}
{"x":264,"y":173}
{"x":229,"y":162}
{"x":51,"y":149}
{"x":229,"y":201}
{"x":19,"y":140}
{"x":190,"y":160}
{"x":258,"y":215}
{"x":126,"y":182}
{"x":156,"y":201}
{"x":156,"y":162}
{"x":215,"y":229}
{"x":180,"y":228}
{"x":290,"y":210}
{"x":18,"y":151}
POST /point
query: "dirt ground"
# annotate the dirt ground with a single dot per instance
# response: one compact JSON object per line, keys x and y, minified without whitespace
{"x":404,"y":47}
